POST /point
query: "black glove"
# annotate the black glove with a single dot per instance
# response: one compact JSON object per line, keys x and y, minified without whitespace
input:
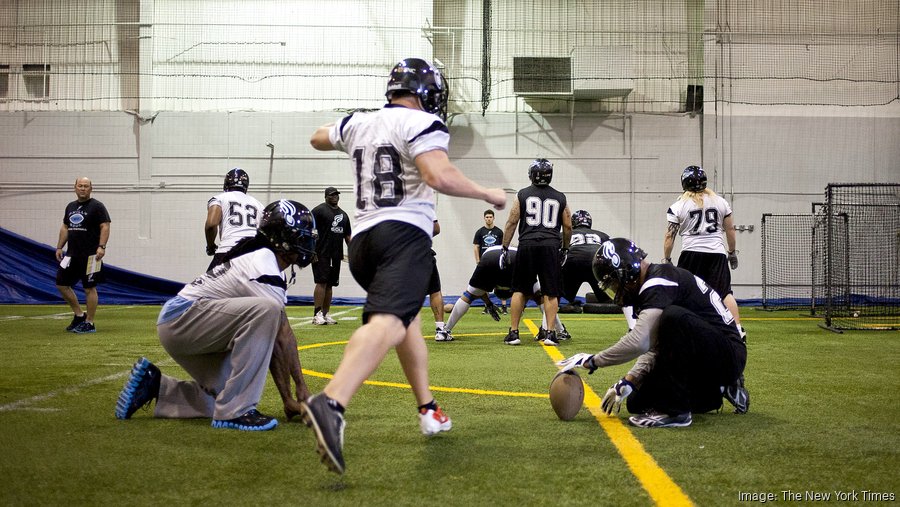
{"x":504,"y":258}
{"x":211,"y":249}
{"x":732,"y":259}
{"x":563,"y":256}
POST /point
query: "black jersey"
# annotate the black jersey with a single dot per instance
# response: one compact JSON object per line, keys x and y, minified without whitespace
{"x":82,"y":220}
{"x":667,"y":285}
{"x":332,"y":224}
{"x":541,"y":215}
{"x":584,"y":243}
{"x":486,"y":238}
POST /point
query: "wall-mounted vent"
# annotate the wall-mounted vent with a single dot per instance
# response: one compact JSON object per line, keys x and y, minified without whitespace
{"x":540,"y":75}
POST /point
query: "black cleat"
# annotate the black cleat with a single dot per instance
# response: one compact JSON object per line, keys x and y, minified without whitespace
{"x":512,"y":338}
{"x":328,"y":424}
{"x":76,"y":320}
{"x":737,"y":395}
{"x":252,"y":420}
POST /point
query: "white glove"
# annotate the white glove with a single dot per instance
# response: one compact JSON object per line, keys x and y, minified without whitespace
{"x":732,"y":260}
{"x":580,"y":359}
{"x":615,"y":395}
{"x":666,"y":260}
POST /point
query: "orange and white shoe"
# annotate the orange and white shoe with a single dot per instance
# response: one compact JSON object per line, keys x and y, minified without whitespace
{"x":433,"y":422}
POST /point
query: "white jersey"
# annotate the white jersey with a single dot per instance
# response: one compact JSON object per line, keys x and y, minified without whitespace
{"x":240,"y":217}
{"x":701,"y":228}
{"x":249,"y":275}
{"x":383,"y":146}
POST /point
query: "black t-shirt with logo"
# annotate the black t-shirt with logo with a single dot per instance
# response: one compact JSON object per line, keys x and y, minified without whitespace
{"x":541,"y":215}
{"x":332,"y":224}
{"x":486,"y":238}
{"x":83,"y":219}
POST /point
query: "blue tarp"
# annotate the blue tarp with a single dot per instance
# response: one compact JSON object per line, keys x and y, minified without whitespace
{"x":28,"y":276}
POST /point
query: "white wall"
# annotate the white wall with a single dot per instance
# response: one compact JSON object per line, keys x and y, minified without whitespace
{"x":155,"y":178}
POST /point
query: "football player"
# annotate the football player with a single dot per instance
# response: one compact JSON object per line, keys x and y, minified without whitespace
{"x":226,"y":327}
{"x":539,"y":213}
{"x":687,"y":344}
{"x":399,"y":157}
{"x":233,"y":215}
{"x":703,"y":219}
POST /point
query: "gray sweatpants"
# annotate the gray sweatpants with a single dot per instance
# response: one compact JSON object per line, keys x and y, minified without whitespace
{"x":226,"y":346}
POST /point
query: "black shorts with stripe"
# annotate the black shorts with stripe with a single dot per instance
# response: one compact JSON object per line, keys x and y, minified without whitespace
{"x":77,"y":271}
{"x":392,"y":261}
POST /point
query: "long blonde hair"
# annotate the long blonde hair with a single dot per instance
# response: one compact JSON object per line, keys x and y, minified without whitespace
{"x":697,"y":197}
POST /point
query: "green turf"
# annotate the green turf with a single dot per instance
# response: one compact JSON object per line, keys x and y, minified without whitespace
{"x":824,"y":417}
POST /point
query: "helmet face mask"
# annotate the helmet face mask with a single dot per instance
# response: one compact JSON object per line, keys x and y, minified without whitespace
{"x":617,"y":268}
{"x":291,"y":229}
{"x":582,"y":218}
{"x":423,"y":80}
{"x":540,"y":172}
{"x":236,"y":179}
{"x":693,"y":179}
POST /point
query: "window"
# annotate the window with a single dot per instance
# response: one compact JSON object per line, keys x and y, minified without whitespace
{"x":4,"y":81}
{"x":37,"y":80}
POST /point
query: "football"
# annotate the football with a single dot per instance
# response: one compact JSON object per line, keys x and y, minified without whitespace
{"x":566,"y":395}
{"x":448,"y":307}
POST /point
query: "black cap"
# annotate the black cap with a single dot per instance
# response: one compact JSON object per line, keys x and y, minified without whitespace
{"x":331,"y":191}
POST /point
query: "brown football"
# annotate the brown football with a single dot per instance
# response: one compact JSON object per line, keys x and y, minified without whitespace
{"x":566,"y":395}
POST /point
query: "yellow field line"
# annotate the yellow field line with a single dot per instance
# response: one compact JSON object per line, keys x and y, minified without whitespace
{"x":661,"y":488}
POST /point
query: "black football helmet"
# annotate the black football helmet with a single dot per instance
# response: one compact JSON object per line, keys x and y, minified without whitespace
{"x":582,"y":218}
{"x":540,"y":172}
{"x":693,"y":179}
{"x":617,"y":268}
{"x":422,"y":80}
{"x":290,"y":227}
{"x":237,"y":179}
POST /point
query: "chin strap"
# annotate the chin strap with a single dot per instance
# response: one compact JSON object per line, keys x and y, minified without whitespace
{"x":293,"y":276}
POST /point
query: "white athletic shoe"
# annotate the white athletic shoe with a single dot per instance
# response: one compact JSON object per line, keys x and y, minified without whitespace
{"x":443,"y":335}
{"x":319,"y":319}
{"x":434,"y":421}
{"x":329,"y":320}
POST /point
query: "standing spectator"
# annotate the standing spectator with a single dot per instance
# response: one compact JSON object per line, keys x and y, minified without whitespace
{"x":539,"y":212}
{"x":233,"y":214}
{"x":85,"y":229}
{"x":333,"y":224}
{"x":399,"y":158}
{"x":686,"y":342}
{"x":226,"y":326}
{"x":486,"y":237}
{"x":703,"y":219}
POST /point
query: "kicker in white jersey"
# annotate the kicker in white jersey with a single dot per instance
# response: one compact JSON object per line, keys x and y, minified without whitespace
{"x":383,"y":146}
{"x":240,"y":217}
{"x":701,"y":227}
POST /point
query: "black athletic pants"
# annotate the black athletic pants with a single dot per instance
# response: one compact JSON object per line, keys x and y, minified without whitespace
{"x":694,"y":359}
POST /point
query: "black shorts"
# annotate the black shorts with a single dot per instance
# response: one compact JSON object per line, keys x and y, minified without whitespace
{"x":327,"y":271}
{"x":541,"y":262}
{"x":711,"y":267}
{"x":693,"y":359}
{"x":434,"y":284}
{"x":77,"y":271}
{"x":578,"y":271}
{"x":392,"y":261}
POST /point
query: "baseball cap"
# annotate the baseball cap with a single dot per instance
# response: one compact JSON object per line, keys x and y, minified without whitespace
{"x":331,"y":191}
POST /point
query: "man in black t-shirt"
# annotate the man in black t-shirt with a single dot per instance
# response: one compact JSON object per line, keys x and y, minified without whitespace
{"x":333,"y":226}
{"x":486,"y":237}
{"x":85,"y":229}
{"x":687,"y":343}
{"x":542,"y":248}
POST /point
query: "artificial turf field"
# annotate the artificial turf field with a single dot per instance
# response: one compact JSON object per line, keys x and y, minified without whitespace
{"x":824,"y":419}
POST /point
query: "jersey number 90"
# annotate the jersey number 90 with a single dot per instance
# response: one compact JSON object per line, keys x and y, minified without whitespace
{"x":540,"y":212}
